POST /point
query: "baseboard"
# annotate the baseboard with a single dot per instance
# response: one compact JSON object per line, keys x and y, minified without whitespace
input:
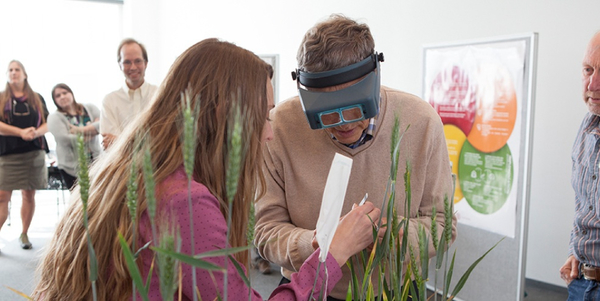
{"x":544,"y":285}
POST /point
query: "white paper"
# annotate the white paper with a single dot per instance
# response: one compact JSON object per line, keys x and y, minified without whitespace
{"x":333,"y":200}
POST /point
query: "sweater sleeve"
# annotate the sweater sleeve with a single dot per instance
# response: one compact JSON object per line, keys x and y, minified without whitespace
{"x":277,"y":238}
{"x":59,"y":127}
{"x":210,"y":233}
{"x":94,"y":114}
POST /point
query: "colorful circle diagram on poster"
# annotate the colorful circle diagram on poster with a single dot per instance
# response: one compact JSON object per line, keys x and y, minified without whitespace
{"x":496,"y":108}
{"x":452,"y":95}
{"x":455,"y":138}
{"x":485,"y":178}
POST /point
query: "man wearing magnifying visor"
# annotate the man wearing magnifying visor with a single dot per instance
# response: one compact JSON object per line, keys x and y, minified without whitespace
{"x":348,"y":112}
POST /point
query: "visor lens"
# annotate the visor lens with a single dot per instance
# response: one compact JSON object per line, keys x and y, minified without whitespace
{"x":351,"y":114}
{"x":330,"y":118}
{"x":339,"y":116}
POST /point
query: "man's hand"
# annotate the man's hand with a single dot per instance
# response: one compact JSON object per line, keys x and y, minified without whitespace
{"x":354,"y":232}
{"x":570,"y":270}
{"x":107,"y":140}
{"x":381,"y":232}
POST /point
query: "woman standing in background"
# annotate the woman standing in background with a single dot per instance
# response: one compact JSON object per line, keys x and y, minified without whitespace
{"x":70,"y":120}
{"x":22,"y":145}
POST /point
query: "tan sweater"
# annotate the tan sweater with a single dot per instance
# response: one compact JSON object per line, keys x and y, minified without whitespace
{"x":298,"y":161}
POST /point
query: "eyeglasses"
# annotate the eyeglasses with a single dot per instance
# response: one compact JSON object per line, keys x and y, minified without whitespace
{"x":340,"y":116}
{"x":137,"y":62}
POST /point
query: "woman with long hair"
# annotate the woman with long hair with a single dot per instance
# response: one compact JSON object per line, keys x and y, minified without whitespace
{"x":222,"y":79}
{"x":70,"y":120}
{"x":22,"y":145}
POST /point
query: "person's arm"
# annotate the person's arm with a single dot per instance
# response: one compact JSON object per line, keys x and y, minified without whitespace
{"x":94,"y":113}
{"x":109,"y":122}
{"x":27,"y":134}
{"x":92,"y":128}
{"x":210,"y":233}
{"x":88,"y":130}
{"x":570,"y":270}
{"x":278,"y":240}
{"x":40,"y":131}
{"x":59,"y":127}
{"x":44,"y":107}
{"x":43,"y":128}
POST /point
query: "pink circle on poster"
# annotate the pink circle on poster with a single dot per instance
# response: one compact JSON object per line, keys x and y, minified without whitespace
{"x":453,"y":97}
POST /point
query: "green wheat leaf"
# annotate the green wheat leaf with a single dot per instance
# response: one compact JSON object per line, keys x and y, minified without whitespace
{"x":190,"y":260}
{"x":239,"y":270}
{"x":133,"y":268}
{"x":461,"y":282}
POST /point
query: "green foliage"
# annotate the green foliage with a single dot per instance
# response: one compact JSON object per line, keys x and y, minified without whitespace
{"x":134,"y":271}
{"x":234,"y":162}
{"x":84,"y":188}
{"x":448,"y":214}
{"x":394,"y":249}
{"x":149,"y":184}
{"x":465,"y":276}
{"x":167,"y":265}
{"x":234,"y":159}
{"x":131,"y":195}
{"x":189,"y":139}
{"x":83,"y":176}
{"x":251,"y":225}
{"x":190,"y":131}
{"x":434,"y":228}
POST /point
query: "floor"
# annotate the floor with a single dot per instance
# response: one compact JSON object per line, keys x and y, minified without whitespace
{"x":17,"y":266}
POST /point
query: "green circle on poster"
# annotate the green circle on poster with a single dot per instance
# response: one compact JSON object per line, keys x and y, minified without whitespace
{"x":485,"y":178}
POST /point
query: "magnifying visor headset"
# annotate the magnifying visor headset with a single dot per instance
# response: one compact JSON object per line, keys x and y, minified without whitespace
{"x":354,"y":103}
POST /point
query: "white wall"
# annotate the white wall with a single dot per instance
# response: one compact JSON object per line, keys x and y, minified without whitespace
{"x":400,"y":28}
{"x":60,"y":41}
{"x":73,"y":42}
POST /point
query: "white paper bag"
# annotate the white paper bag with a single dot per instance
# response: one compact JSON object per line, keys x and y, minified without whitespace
{"x":333,"y":200}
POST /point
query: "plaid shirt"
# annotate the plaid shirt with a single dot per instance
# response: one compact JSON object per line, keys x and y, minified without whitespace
{"x":585,"y":236}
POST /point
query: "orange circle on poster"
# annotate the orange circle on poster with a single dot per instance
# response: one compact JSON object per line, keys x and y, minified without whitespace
{"x":455,"y":138}
{"x":496,"y":109}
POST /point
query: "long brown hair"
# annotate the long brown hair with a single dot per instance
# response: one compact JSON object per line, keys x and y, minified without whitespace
{"x":32,"y":98}
{"x":78,"y":107}
{"x":222,"y":75}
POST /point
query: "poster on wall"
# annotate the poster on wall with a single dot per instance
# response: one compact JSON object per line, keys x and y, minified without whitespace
{"x":479,"y":90}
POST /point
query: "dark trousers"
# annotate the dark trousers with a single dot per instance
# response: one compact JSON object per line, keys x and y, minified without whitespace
{"x":414,"y":283}
{"x":68,"y":180}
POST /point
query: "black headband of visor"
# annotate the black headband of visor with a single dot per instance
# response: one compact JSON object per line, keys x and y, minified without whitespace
{"x":337,"y":76}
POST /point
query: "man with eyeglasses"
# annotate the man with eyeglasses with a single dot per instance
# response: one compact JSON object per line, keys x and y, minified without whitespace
{"x":121,"y":106}
{"x":350,"y":113}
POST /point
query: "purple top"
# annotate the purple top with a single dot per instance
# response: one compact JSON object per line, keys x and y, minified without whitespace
{"x":210,"y":230}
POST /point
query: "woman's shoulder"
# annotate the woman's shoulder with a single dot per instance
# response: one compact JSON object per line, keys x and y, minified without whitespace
{"x":57,"y":116}
{"x":175,"y":188}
